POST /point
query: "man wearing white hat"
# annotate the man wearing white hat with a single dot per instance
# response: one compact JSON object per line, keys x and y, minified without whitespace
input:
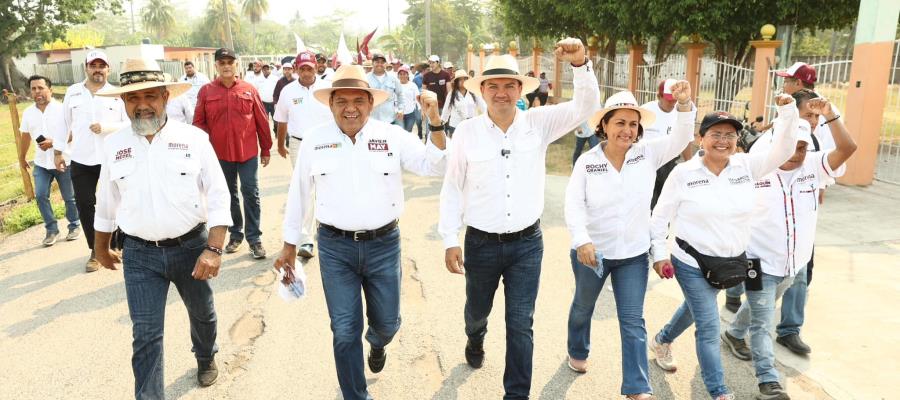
{"x":90,"y":119}
{"x":664,"y":109}
{"x":162,"y":185}
{"x":495,"y":185}
{"x":355,"y":164}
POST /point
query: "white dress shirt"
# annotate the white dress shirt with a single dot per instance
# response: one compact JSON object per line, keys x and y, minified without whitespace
{"x":664,"y":124}
{"x":495,"y":179}
{"x":713,"y":213}
{"x":51,"y":123}
{"x":162,"y":189}
{"x":787,"y":206}
{"x":611,"y":208}
{"x":300,"y":110}
{"x":325,"y":75}
{"x":388,"y":110}
{"x":358,"y":186}
{"x":180,"y":109}
{"x":267,"y":89}
{"x":410,"y":92}
{"x":83,"y":109}
{"x":255,"y":79}
{"x":197,"y":81}
{"x":463,"y":108}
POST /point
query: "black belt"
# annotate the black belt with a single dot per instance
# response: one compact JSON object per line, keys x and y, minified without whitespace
{"x":193,"y":233}
{"x":507,"y":237}
{"x":362,"y":235}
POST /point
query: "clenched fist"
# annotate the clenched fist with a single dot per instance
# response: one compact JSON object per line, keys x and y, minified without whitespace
{"x":430,"y":104}
{"x":783,"y":99}
{"x":571,"y":50}
{"x":681,"y":91}
{"x":821,"y":106}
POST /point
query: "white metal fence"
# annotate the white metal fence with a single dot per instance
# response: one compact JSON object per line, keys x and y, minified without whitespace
{"x":887,"y":168}
{"x":832,"y":82}
{"x":649,"y":76}
{"x":724,"y":87}
{"x":612,"y":75}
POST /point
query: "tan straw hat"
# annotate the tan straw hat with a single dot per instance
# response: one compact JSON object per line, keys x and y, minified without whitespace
{"x":350,"y":77}
{"x":460,"y":74}
{"x":140,"y":74}
{"x":500,"y":67}
{"x":626,"y":100}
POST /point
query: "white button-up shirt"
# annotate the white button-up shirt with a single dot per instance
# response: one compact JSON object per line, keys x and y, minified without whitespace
{"x":358,"y":186}
{"x":51,"y":123}
{"x":388,"y":110}
{"x":197,"y":81}
{"x":787,"y":206}
{"x":495,"y":179}
{"x":267,"y":88}
{"x":162,"y":189}
{"x":180,"y":109}
{"x":83,"y":109}
{"x":464,"y":107}
{"x":300,"y":110}
{"x":611,"y":208}
{"x":714,"y":213}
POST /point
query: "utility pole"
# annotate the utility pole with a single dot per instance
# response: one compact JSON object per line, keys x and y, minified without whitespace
{"x":132,"y":17}
{"x":389,"y":15}
{"x":427,"y":28}
{"x":228,"y":25}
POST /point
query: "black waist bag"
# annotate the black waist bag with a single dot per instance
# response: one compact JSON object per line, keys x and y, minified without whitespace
{"x":720,"y":272}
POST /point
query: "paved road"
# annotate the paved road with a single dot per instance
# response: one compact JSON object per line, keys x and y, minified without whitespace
{"x":66,"y":334}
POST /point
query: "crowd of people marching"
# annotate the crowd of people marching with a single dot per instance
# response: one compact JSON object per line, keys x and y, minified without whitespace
{"x":161,"y":174}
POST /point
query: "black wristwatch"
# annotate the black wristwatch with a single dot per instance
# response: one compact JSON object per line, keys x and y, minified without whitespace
{"x":434,"y":128}
{"x":214,"y":249}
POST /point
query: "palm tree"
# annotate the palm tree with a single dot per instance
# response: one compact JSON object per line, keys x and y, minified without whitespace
{"x":255,"y":9}
{"x":213,"y":26}
{"x":158,"y":16}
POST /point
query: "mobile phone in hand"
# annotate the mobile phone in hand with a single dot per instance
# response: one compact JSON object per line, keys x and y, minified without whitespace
{"x":40,"y":139}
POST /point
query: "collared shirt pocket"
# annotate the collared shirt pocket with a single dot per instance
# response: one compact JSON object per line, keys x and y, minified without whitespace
{"x":245,"y":102}
{"x":322,"y":173}
{"x":123,"y":174}
{"x":184,"y":181}
{"x":483,"y":166}
{"x":387,"y":171}
{"x":214,"y":106}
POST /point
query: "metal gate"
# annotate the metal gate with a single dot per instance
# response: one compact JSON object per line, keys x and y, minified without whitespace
{"x":887,"y":168}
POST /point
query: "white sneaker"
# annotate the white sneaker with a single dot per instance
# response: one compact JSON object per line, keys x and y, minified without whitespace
{"x":726,"y":396}
{"x":664,"y":357}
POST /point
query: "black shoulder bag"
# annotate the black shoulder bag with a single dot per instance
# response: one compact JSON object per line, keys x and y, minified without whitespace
{"x":720,"y":272}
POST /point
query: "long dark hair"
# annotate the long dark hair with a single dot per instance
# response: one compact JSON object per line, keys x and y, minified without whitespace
{"x":605,"y":120}
{"x":456,"y":85}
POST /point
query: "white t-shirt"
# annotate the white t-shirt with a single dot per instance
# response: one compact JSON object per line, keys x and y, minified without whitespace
{"x":410,"y":91}
{"x":180,"y":109}
{"x":267,"y":89}
{"x":665,"y":121}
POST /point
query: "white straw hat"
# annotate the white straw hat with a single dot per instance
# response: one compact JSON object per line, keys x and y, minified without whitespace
{"x":620,"y":100}
{"x":502,"y":67}
{"x":350,"y":77}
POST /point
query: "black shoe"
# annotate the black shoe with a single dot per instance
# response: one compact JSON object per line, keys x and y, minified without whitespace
{"x":772,"y":391}
{"x":257,"y":251}
{"x":306,"y":251}
{"x":794,"y":344}
{"x":207,"y":372}
{"x":232,"y":245}
{"x":475,"y":353}
{"x":377,"y":358}
{"x":738,"y":347}
{"x":732,"y":304}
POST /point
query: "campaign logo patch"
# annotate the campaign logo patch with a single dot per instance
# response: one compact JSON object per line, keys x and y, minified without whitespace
{"x":298,"y":100}
{"x":124,"y":154}
{"x":805,"y":178}
{"x":635,"y":160}
{"x":596,"y":169}
{"x":698,"y":183}
{"x":378,"y":145}
{"x":327,"y":146}
{"x":740,"y":180}
{"x":765,"y":183}
{"x":178,"y":146}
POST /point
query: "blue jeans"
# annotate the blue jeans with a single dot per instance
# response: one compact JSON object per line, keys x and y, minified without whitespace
{"x":42,"y":179}
{"x":519,"y":264}
{"x":419,"y":124}
{"x":409,"y":120}
{"x":629,"y":279}
{"x":592,"y":141}
{"x":792,"y":306}
{"x":148,"y":272}
{"x":755,"y":316}
{"x":699,"y":306}
{"x":735,"y":291}
{"x":246,"y":171}
{"x":347,"y":267}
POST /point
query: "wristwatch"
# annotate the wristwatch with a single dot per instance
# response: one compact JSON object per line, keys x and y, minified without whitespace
{"x":435,"y":128}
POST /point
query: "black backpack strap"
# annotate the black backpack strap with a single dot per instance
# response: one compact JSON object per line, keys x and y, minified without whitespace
{"x":815,"y":142}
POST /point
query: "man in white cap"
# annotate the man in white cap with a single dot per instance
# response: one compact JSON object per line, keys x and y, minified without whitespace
{"x":355,"y":164}
{"x":781,"y":242}
{"x":495,"y":186}
{"x":90,"y":119}
{"x":163,"y":186}
{"x":664,"y":109}
{"x":391,"y":111}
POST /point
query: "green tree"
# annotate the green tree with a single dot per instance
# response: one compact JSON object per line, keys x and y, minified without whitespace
{"x":254,"y":10}
{"x":27,"y":25}
{"x":211,"y":30}
{"x":158,"y":16}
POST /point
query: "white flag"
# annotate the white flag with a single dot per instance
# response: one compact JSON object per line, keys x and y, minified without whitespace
{"x":343,"y":53}
{"x":300,"y":46}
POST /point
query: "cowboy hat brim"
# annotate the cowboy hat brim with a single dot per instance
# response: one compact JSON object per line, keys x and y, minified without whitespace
{"x":378,"y":96}
{"x":647,"y":116}
{"x":175,"y":88}
{"x":529,"y":84}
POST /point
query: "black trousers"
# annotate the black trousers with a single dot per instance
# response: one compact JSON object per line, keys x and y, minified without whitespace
{"x":84,"y":181}
{"x":661,"y":175}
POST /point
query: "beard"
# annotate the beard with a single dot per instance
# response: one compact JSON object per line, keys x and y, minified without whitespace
{"x":97,"y":78}
{"x":148,"y":126}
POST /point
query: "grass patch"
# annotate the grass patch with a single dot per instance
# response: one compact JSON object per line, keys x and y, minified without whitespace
{"x":26,"y":215}
{"x":10,"y":177}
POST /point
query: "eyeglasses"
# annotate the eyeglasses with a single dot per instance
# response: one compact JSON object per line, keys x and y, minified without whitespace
{"x":728,"y":136}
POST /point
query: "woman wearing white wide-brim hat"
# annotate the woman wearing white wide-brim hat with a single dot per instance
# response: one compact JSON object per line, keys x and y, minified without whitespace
{"x":461,"y":104}
{"x":607,"y":212}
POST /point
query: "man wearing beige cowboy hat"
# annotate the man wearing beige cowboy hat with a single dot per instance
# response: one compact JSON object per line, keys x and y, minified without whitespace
{"x":355,"y":164}
{"x":161,"y":183}
{"x":495,"y":185}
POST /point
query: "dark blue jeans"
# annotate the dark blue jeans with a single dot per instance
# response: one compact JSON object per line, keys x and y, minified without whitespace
{"x":42,"y":179}
{"x":629,"y":279}
{"x":246,"y":171}
{"x":591,"y":141}
{"x":409,"y":120}
{"x":148,"y":272}
{"x":519,"y":264}
{"x":347,"y":267}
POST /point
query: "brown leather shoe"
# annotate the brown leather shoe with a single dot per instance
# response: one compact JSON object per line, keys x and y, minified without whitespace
{"x":92,"y":264}
{"x":207,"y":372}
{"x":579,"y":366}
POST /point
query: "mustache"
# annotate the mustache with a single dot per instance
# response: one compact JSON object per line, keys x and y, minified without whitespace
{"x":147,"y":122}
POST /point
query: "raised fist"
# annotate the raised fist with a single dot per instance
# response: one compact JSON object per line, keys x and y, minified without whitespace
{"x":681,"y":90}
{"x":429,"y":102}
{"x":783,"y":99}
{"x":571,"y":50}
{"x":821,"y":106}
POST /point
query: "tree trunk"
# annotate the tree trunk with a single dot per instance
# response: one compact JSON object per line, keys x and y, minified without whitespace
{"x":10,"y":76}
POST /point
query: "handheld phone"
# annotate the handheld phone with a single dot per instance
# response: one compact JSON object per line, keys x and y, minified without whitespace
{"x":39,"y":139}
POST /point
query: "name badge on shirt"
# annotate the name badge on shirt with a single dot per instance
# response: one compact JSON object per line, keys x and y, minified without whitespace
{"x":765,"y":183}
{"x":380,"y":145}
{"x":739,"y":181}
{"x":124,"y":154}
{"x":596,"y":169}
{"x":698,"y":183}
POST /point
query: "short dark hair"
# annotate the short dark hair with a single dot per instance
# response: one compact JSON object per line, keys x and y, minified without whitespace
{"x":186,"y":63}
{"x":606,"y":117}
{"x":39,"y":77}
{"x":803,"y":95}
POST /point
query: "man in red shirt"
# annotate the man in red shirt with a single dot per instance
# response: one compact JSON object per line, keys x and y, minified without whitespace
{"x":231,"y":112}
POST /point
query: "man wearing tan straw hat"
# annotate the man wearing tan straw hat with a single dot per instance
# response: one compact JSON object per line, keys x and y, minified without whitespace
{"x":90,"y":119}
{"x":495,"y":185}
{"x":161,"y":183}
{"x":355,"y":164}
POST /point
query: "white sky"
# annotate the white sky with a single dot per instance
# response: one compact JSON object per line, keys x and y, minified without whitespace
{"x":368,"y":14}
